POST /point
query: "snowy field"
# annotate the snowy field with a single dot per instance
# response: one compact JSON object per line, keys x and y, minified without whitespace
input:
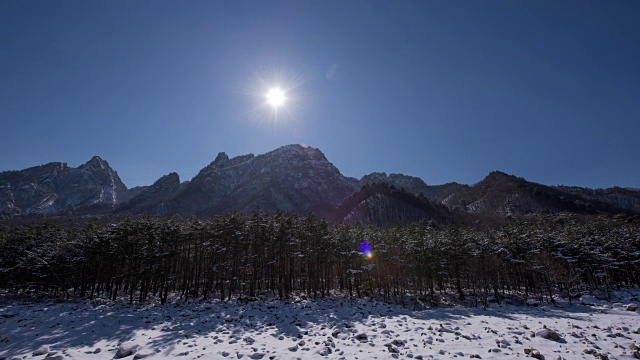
{"x":332,"y":328}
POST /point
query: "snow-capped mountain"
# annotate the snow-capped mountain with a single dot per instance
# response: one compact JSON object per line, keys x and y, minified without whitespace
{"x":291,"y":178}
{"x":56,"y":188}
{"x":295,"y":179}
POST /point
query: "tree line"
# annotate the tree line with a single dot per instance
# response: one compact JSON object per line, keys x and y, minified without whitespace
{"x":282,"y":255}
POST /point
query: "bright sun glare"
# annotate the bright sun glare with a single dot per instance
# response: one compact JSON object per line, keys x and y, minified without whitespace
{"x":276,"y":97}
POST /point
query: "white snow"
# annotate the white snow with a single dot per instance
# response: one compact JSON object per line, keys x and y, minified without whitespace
{"x":335,"y":328}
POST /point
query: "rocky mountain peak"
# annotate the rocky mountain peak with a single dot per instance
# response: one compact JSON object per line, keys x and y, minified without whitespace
{"x":497,"y":174}
{"x":374,"y":177}
{"x":292,"y":178}
{"x":297,"y":150}
{"x":96,"y":162}
{"x":172,"y":176}
{"x":221,"y":159}
{"x":56,"y":188}
{"x":499,"y":178}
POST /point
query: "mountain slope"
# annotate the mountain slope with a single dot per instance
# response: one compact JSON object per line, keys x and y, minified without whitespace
{"x":296,"y":179}
{"x":624,"y":198}
{"x":56,"y":188}
{"x":291,"y":178}
{"x":413,"y":184}
{"x":152,"y":199}
{"x":383,"y":204}
{"x":500,"y":194}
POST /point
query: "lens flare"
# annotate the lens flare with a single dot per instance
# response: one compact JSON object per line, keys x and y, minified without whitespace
{"x":366,"y":249}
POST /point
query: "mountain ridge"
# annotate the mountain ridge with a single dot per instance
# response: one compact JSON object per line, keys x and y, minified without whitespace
{"x":292,"y":178}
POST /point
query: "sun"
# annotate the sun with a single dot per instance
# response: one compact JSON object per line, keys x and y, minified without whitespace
{"x":276,"y":97}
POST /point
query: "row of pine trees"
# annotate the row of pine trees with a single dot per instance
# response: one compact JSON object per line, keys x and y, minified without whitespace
{"x":284,"y":255}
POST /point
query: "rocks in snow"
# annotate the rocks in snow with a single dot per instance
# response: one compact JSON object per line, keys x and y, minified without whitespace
{"x":324,"y":351}
{"x":596,"y":354}
{"x":142,"y":355}
{"x":393,"y":349}
{"x":536,"y":355}
{"x":631,"y":307}
{"x":127,"y":349}
{"x":533,"y":353}
{"x":54,"y":357}
{"x":548,"y":334}
{"x":294,"y":331}
{"x":42,"y":350}
{"x":361,"y":337}
{"x":588,"y":300}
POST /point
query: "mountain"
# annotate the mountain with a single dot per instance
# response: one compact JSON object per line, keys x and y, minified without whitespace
{"x":500,"y":194}
{"x":152,"y":198}
{"x":56,"y":188}
{"x":295,"y":179}
{"x":625,"y":198}
{"x":292,"y":178}
{"x":414,"y":184}
{"x":383,"y":204}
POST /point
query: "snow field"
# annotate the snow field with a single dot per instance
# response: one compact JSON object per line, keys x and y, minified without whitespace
{"x":335,"y":328}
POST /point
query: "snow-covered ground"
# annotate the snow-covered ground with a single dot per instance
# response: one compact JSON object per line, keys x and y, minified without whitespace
{"x":334,"y":328}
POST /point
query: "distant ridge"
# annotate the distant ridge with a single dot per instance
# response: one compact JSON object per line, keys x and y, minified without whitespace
{"x":383,"y":204}
{"x":296,"y":179}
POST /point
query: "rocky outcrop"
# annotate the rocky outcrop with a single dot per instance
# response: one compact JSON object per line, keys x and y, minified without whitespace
{"x":292,"y":178}
{"x":56,"y":188}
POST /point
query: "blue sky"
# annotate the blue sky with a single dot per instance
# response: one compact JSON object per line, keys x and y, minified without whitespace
{"x":443,"y":90}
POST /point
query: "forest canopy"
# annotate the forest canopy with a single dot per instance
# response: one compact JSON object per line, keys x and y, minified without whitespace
{"x":257,"y":256}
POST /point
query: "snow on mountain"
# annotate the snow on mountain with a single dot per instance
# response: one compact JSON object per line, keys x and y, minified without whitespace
{"x":500,"y":194}
{"x":56,"y":188}
{"x":291,"y":178}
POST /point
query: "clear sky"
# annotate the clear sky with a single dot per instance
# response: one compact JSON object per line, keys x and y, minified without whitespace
{"x":443,"y":90}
